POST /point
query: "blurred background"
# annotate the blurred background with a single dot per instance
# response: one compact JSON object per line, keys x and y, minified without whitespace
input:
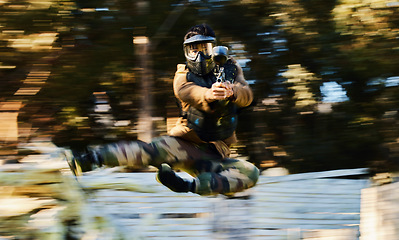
{"x":325,"y":75}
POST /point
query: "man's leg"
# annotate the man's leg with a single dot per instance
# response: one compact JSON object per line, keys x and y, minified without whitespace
{"x":226,"y":177}
{"x":212,"y":174}
{"x":134,"y":154}
{"x":174,"y":151}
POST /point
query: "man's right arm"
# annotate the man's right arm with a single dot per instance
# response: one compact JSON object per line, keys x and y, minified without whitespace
{"x":189,"y":92}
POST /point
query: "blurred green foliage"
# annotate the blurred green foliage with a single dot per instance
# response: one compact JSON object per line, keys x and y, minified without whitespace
{"x":291,"y":48}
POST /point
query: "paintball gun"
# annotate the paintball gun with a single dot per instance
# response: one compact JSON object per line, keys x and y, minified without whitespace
{"x":220,"y":56}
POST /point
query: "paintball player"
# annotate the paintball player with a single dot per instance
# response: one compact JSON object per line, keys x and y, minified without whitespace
{"x":209,"y":91}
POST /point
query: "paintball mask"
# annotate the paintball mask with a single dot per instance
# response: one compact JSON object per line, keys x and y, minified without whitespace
{"x":198,"y":52}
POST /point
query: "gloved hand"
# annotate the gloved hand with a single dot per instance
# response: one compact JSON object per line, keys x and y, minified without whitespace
{"x":219,"y":91}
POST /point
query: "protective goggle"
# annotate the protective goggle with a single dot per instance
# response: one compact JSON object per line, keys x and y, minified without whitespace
{"x":191,"y":50}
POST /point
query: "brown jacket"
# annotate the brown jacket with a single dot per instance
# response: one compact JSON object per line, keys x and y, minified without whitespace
{"x":189,"y":93}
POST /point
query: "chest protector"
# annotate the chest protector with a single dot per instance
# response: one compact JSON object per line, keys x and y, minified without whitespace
{"x":221,"y":122}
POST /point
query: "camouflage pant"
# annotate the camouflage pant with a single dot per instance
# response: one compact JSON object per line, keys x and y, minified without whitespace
{"x":211,"y":173}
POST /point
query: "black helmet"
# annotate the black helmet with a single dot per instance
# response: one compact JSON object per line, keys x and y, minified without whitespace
{"x":198,"y":44}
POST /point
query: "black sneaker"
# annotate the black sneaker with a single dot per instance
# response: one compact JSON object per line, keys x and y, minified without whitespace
{"x":73,"y":164}
{"x":82,"y":162}
{"x":170,"y":179}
